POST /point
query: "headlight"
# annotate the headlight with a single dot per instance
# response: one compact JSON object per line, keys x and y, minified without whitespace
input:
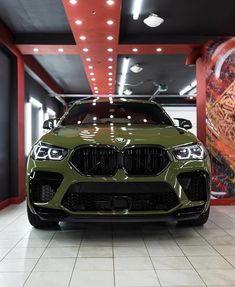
{"x":196,"y":151}
{"x":43,"y":151}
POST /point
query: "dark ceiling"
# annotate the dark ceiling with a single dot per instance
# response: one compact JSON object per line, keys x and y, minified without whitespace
{"x":34,"y":16}
{"x":162,"y":69}
{"x":68,"y":72}
{"x":185,"y":21}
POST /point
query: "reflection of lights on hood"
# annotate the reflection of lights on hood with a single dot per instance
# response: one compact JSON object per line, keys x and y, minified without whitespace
{"x":111,"y":124}
{"x":123,"y":128}
{"x":130,"y":133}
{"x":94,"y":104}
{"x":111,"y":116}
{"x":94,"y":118}
{"x":129,"y":117}
{"x":129,"y":124}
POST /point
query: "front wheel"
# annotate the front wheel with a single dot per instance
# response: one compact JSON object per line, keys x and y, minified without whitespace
{"x":202,"y":219}
{"x":36,"y":222}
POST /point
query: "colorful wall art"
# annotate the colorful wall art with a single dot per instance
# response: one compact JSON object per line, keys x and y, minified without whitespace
{"x":220,"y":116}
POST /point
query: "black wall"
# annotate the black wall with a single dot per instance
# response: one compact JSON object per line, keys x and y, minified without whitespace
{"x":8,"y":126}
{"x":35,"y":90}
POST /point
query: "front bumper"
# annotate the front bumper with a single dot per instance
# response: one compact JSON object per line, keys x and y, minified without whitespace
{"x":54,"y":210}
{"x":182,"y":215}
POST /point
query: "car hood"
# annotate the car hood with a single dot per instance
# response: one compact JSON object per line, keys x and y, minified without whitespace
{"x":118,"y":135}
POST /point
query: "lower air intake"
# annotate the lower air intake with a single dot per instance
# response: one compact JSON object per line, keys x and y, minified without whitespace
{"x":109,"y":196}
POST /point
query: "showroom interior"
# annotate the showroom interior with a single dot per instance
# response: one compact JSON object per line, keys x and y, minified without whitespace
{"x":178,"y":54}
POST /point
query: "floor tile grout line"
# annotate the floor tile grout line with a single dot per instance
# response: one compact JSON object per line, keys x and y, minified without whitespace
{"x":19,"y":215}
{"x":221,"y":228}
{"x":216,"y":250}
{"x":190,"y":261}
{"x":76,"y":258}
{"x":38,"y":260}
{"x":14,"y":246}
{"x":151,"y":258}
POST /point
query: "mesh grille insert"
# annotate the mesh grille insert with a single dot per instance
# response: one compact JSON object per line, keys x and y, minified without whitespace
{"x":141,"y":196}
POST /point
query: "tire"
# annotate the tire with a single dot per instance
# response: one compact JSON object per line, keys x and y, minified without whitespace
{"x":36,"y":222}
{"x":196,"y":222}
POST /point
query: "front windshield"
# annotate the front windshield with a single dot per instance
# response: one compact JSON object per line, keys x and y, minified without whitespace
{"x":117,"y":113}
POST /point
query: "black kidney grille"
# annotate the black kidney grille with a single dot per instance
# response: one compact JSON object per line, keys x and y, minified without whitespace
{"x":145,"y":160}
{"x":98,"y":161}
{"x":141,"y":196}
{"x":95,"y":160}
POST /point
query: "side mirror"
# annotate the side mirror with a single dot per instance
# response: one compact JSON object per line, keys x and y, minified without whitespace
{"x":49,"y":124}
{"x":183,"y":123}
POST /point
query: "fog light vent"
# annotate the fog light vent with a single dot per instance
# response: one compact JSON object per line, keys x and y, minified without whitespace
{"x":43,"y":186}
{"x":46,"y":193}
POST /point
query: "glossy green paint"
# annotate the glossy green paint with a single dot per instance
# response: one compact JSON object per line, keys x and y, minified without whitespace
{"x":70,"y":137}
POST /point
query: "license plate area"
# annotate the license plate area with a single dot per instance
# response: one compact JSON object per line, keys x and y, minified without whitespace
{"x":121,"y":203}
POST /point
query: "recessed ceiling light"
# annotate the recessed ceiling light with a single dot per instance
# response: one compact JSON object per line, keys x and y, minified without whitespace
{"x":88,"y":59}
{"x":110,"y":22}
{"x":110,"y":2}
{"x":93,"y":79}
{"x":95,"y":88}
{"x":96,"y":92}
{"x":110,"y":38}
{"x":78,"y":22}
{"x":92,"y":74}
{"x":110,"y":79}
{"x":35,"y":50}
{"x":153,"y":20}
{"x":110,"y":84}
{"x":159,"y":49}
{"x":110,"y":59}
{"x":110,"y":73}
{"x":85,"y":49}
{"x":110,"y":49}
{"x":135,"y":50}
{"x":136,"y":68}
{"x":73,"y":2}
{"x":82,"y":38}
{"x":61,"y":50}
{"x":110,"y":67}
{"x":90,"y":67}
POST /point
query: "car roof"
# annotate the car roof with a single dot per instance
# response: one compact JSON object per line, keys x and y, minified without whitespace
{"x":115,"y":100}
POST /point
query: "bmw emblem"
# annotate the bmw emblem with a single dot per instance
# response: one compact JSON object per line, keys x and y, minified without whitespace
{"x":120,"y":140}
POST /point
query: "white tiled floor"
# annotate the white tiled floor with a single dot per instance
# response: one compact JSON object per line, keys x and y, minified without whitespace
{"x":117,"y":255}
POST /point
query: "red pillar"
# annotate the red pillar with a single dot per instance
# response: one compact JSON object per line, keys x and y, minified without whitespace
{"x":201,"y":100}
{"x":21,"y":153}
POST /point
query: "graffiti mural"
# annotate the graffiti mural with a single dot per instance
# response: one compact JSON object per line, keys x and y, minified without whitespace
{"x":220,"y":109}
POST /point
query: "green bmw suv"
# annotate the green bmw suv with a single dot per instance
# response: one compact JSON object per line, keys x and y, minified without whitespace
{"x":117,"y":160}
